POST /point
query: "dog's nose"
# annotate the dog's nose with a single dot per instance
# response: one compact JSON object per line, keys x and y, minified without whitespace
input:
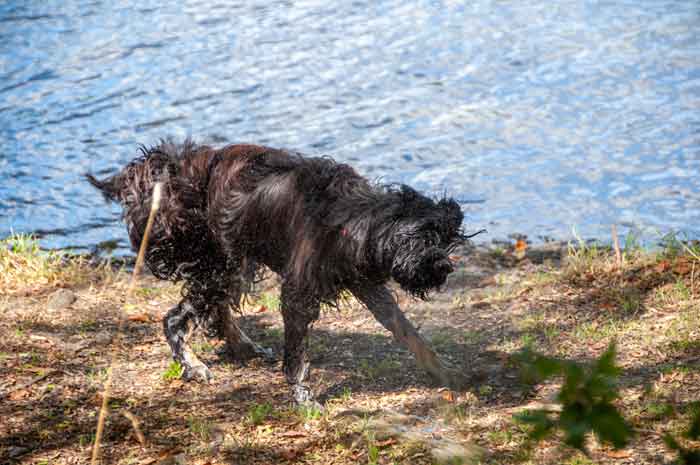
{"x":444,"y":266}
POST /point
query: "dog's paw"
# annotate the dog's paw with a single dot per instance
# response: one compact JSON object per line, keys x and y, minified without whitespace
{"x":199,"y":373}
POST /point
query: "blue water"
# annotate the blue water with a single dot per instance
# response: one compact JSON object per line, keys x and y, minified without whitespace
{"x":539,"y":116}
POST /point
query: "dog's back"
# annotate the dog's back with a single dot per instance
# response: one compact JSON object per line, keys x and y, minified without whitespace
{"x":240,"y":202}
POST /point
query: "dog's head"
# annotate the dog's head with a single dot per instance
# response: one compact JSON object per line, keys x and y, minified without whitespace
{"x":425,"y":233}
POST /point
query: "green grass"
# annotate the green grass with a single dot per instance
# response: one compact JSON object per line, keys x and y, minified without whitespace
{"x":270,"y":301}
{"x":201,"y":428}
{"x":382,"y":369}
{"x":309,"y":412}
{"x":372,"y":450}
{"x":173,"y":372}
{"x":258,"y":413}
{"x":203,"y":347}
{"x":658,"y":410}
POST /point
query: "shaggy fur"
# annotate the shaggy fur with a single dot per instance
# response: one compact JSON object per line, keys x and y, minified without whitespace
{"x":322,"y":227}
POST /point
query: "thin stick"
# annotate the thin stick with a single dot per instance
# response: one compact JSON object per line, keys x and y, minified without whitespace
{"x":155,"y":204}
{"x":616,"y":245}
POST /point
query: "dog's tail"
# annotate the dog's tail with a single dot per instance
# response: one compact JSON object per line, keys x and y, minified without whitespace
{"x":109,"y":187}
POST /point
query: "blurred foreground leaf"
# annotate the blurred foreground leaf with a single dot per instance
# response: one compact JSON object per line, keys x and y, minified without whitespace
{"x":586,"y":398}
{"x":687,"y":456}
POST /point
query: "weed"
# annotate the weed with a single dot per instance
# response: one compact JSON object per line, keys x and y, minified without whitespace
{"x":659,"y":410}
{"x":378,"y":370}
{"x":200,"y":428}
{"x":630,"y":301}
{"x":174,"y":371}
{"x":456,"y":413}
{"x":86,"y":326}
{"x":204,"y":347}
{"x":527,"y":340}
{"x":273,"y":334}
{"x":671,"y":247}
{"x":582,"y":255}
{"x":309,"y":412}
{"x":498,"y":251}
{"x":372,"y":450}
{"x":579,"y":459}
{"x":500,"y":437}
{"x":257,"y":413}
{"x":633,"y":247}
{"x":441,"y":340}
{"x":472,"y":337}
{"x":551,"y":332}
{"x":485,"y":390}
{"x":270,"y":301}
{"x":594,"y":331}
{"x":85,"y":440}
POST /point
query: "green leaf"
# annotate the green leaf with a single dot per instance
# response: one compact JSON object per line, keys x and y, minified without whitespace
{"x":694,"y":429}
{"x":539,"y":419}
{"x":575,"y":425}
{"x":609,"y":425}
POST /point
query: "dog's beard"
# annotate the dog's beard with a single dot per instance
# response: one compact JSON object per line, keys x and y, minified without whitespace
{"x":420,"y":268}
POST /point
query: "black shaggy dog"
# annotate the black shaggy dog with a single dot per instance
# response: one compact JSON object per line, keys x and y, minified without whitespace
{"x":317,"y":223}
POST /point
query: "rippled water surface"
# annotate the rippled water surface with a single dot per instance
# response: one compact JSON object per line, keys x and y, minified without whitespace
{"x":540,"y":116}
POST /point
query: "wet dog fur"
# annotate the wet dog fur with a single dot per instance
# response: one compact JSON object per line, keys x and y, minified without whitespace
{"x":227,"y":213}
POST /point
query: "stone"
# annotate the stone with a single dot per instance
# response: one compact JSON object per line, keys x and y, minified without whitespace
{"x":447,"y":452}
{"x":61,"y":299}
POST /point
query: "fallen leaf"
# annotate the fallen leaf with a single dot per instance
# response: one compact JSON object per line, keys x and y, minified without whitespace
{"x":387,"y":442}
{"x":142,"y":318}
{"x":262,"y":309}
{"x":662,"y":266}
{"x":682,"y":266}
{"x":520,"y":245}
{"x":618,"y":454}
{"x":449,"y":396}
{"x":19,"y":394}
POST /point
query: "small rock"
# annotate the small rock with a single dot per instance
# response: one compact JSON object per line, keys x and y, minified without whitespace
{"x":60,"y":299}
{"x":103,"y":338}
{"x":15,"y":451}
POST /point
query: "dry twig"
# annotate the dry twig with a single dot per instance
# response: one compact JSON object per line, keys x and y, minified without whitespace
{"x":122,"y":317}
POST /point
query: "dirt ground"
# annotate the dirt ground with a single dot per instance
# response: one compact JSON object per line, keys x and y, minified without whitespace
{"x":57,"y":319}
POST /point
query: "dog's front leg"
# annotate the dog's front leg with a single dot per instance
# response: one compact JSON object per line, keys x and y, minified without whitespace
{"x":380,"y":301}
{"x":298,"y":312}
{"x":178,"y":326}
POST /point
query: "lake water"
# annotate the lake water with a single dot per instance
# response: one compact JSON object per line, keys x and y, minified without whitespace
{"x":539,"y":116}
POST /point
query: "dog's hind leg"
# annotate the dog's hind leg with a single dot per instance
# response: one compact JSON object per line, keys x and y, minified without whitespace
{"x":178,"y":325}
{"x":380,"y":301}
{"x":299,"y":310}
{"x":238,"y":345}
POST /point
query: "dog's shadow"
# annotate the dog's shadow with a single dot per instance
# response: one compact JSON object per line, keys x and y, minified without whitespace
{"x":350,"y":362}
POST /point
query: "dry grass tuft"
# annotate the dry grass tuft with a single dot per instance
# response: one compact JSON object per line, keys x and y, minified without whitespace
{"x":25,"y":269}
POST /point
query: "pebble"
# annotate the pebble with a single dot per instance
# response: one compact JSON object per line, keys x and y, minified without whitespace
{"x":61,"y":299}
